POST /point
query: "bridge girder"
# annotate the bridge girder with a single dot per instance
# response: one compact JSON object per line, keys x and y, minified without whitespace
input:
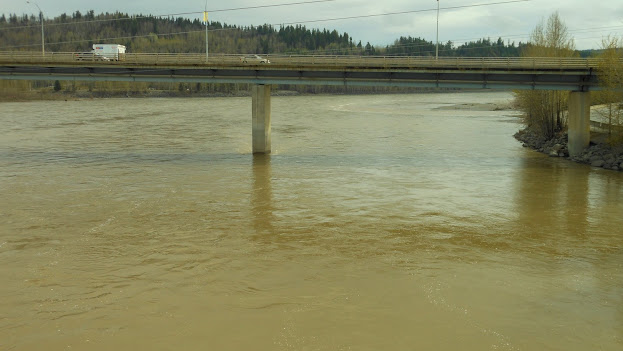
{"x":503,"y":79}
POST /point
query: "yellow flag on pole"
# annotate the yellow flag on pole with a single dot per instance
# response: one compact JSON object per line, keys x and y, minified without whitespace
{"x":205,"y":16}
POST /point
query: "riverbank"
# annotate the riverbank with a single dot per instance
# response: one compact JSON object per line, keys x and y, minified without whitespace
{"x":487,"y":106}
{"x":48,"y":94}
{"x":598,"y":154}
{"x":41,"y":95}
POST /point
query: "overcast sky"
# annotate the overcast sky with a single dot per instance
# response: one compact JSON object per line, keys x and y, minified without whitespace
{"x":588,"y":20}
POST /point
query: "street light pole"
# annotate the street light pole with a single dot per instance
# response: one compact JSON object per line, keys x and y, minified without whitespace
{"x":40,"y":19}
{"x":437,"y":46}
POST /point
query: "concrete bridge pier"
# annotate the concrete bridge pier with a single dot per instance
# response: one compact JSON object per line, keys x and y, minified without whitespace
{"x":260,"y":105}
{"x":579,"y":122}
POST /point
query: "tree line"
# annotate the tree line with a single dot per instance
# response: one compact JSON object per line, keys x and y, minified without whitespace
{"x":146,"y":33}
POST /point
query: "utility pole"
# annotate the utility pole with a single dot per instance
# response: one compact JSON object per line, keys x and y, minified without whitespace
{"x":40,"y":19}
{"x":437,"y":46}
{"x":205,"y":18}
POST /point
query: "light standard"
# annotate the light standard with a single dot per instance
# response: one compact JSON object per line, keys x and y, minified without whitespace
{"x":41,"y":19}
{"x":437,"y":46}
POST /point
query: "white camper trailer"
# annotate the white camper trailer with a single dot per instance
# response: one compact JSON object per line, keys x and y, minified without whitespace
{"x":113,"y":52}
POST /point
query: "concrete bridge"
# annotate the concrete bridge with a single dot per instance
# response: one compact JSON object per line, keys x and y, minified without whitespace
{"x":575,"y":75}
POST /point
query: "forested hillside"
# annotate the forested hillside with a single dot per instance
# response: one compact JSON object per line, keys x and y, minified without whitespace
{"x":77,"y":32}
{"x":146,"y":33}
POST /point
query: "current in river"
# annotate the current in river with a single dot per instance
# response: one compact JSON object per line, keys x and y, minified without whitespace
{"x":378,"y":222}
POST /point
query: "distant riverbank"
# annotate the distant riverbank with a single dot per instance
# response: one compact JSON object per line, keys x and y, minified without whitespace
{"x":68,"y":95}
{"x":488,"y":106}
{"x":42,"y":95}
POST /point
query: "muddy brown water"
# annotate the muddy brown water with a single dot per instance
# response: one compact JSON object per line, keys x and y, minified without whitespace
{"x":389,"y":222}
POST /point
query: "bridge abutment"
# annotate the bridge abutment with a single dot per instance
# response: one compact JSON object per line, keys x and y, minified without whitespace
{"x":579,"y":122}
{"x":260,"y":106}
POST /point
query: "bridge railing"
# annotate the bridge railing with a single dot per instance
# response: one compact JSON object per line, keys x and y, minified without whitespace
{"x":442,"y":62}
{"x":289,"y":61}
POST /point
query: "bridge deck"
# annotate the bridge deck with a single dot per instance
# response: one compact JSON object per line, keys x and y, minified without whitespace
{"x":185,"y":59}
{"x":490,"y":73}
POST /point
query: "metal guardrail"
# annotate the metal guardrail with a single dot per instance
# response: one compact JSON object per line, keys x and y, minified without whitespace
{"x":285,"y":61}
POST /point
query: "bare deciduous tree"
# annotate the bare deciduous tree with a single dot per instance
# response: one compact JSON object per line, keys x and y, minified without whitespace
{"x":545,"y":111}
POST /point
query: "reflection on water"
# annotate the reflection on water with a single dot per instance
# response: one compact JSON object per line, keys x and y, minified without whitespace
{"x":553,"y":196}
{"x":262,"y":198}
{"x":378,"y":222}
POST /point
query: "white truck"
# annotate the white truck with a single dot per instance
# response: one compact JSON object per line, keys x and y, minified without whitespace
{"x":109,"y":52}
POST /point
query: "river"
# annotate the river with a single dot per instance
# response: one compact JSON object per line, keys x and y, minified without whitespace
{"x":384,"y":222}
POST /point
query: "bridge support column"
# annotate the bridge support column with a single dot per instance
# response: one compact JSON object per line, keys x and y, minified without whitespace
{"x":260,"y":105}
{"x":579,"y":122}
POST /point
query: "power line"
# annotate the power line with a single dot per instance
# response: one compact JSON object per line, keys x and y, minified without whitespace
{"x":584,"y":30}
{"x":280,"y":5}
{"x":408,"y":12}
{"x":457,"y":43}
{"x":454,"y":41}
{"x":282,"y":24}
{"x":173,"y":14}
{"x":309,"y":51}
